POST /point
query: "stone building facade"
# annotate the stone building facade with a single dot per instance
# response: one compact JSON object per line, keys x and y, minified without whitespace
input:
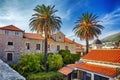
{"x":14,"y":41}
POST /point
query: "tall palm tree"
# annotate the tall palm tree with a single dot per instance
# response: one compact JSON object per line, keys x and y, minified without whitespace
{"x":87,"y":28}
{"x":45,"y":21}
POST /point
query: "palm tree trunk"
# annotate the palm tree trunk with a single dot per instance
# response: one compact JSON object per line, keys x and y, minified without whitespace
{"x":87,"y":46}
{"x":45,"y":53}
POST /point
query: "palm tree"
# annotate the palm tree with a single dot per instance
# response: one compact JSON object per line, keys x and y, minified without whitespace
{"x":45,"y":21}
{"x":87,"y":28}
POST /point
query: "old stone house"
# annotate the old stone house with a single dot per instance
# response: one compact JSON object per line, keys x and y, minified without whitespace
{"x":14,"y":41}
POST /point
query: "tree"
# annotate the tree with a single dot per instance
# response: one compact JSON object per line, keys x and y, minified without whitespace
{"x":87,"y":28}
{"x":55,"y":62}
{"x":45,"y":21}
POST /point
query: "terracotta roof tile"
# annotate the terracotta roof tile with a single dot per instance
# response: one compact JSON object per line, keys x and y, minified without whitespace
{"x":73,"y":65}
{"x":78,"y":45}
{"x":50,"y":39}
{"x":65,"y":70}
{"x":98,"y":69}
{"x":33,"y":36}
{"x":68,"y":40}
{"x":12,"y":28}
{"x":104,"y":55}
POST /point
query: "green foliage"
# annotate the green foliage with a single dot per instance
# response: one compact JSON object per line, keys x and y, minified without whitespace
{"x":63,"y":52}
{"x":69,"y":58}
{"x":112,"y":39}
{"x":55,"y":62}
{"x":46,"y":76}
{"x":35,"y":63}
{"x":30,"y":63}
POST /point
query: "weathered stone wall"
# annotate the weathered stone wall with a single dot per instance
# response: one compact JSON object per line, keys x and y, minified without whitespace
{"x":33,"y":43}
{"x":7,"y":73}
{"x":53,"y":46}
{"x":16,"y":49}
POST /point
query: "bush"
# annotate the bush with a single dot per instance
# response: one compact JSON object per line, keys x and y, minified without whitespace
{"x":30,"y":63}
{"x":69,"y":58}
{"x":55,"y":62}
{"x":35,"y":63}
{"x":46,"y":76}
{"x":64,"y":52}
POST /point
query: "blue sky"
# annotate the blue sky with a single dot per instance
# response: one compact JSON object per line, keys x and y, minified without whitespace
{"x":18,"y":13}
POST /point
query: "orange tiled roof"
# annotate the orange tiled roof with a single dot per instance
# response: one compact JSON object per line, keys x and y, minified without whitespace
{"x":11,"y":27}
{"x":33,"y":36}
{"x":73,"y":65}
{"x":104,"y":55}
{"x":68,"y":40}
{"x":50,"y":39}
{"x":98,"y":69}
{"x":78,"y":45}
{"x":65,"y":70}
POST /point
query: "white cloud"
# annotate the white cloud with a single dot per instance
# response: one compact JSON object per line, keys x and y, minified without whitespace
{"x":65,"y":14}
{"x":111,"y":18}
{"x":111,"y":22}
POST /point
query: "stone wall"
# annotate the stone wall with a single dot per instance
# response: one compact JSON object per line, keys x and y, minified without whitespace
{"x":7,"y":73}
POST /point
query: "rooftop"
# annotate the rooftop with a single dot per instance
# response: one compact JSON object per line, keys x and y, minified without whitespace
{"x":12,"y":28}
{"x":65,"y":70}
{"x":104,"y":55}
{"x":98,"y":69}
{"x":98,"y":55}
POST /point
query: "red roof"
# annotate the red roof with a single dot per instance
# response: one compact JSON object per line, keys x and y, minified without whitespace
{"x":98,"y":69}
{"x":33,"y":36}
{"x":12,"y":28}
{"x":68,"y":40}
{"x":104,"y":55}
{"x":73,"y":65}
{"x":65,"y":70}
{"x":78,"y":45}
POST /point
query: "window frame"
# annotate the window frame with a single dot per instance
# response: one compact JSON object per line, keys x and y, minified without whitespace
{"x":28,"y":46}
{"x":58,"y":47}
{"x":66,"y":48}
{"x":48,"y":47}
{"x":9,"y":56}
{"x":100,"y":77}
{"x":17,"y":33}
{"x":10,"y":43}
{"x":38,"y":46}
{"x":6,"y":32}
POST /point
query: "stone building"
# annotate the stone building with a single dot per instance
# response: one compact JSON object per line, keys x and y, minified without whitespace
{"x":14,"y":41}
{"x":97,"y":44}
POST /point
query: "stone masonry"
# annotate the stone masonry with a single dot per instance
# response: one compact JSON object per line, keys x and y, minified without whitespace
{"x":7,"y":73}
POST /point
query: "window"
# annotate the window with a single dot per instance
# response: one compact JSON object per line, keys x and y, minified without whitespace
{"x":59,"y":37}
{"x":66,"y":47}
{"x":9,"y":56}
{"x":37,"y":46}
{"x":6,"y":32}
{"x":97,"y":77}
{"x":49,"y":47}
{"x":10,"y":43}
{"x":28,"y":45}
{"x":74,"y":74}
{"x":16,"y":33}
{"x":86,"y":76}
{"x":58,"y":47}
